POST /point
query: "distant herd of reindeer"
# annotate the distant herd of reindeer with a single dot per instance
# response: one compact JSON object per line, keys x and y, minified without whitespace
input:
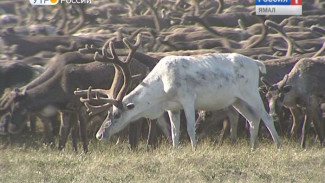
{"x":144,"y":67}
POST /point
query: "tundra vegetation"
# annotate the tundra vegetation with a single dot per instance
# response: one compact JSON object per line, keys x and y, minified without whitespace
{"x":32,"y":161}
{"x":79,"y":69}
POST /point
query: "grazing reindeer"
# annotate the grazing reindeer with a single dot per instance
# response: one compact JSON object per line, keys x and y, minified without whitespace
{"x":302,"y":88}
{"x":55,"y":91}
{"x":208,"y":82}
{"x":120,"y":67}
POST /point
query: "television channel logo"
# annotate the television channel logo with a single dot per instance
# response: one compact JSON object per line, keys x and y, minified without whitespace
{"x":278,"y":7}
{"x":43,"y":2}
{"x":54,"y":2}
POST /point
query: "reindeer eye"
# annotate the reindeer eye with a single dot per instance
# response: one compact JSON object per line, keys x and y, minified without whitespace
{"x":130,"y":106}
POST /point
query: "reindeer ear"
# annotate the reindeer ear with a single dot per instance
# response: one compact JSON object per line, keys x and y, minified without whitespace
{"x":286,"y":89}
{"x":130,"y":106}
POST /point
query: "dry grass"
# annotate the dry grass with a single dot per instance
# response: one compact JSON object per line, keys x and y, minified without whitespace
{"x":31,"y":161}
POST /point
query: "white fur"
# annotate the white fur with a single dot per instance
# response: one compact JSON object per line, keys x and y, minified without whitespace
{"x":207,"y":82}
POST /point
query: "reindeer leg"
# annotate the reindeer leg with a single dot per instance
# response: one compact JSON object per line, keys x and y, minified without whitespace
{"x":83,"y":131}
{"x":219,"y":140}
{"x":175,"y":126}
{"x":253,"y":110}
{"x":75,"y":131}
{"x":65,"y":128}
{"x":32,"y":122}
{"x":165,"y":127}
{"x":135,"y":133}
{"x":139,"y":128}
{"x":48,"y":130}
{"x":297,"y":120}
{"x":314,"y":111}
{"x":269,"y":123}
{"x":233,"y":117}
{"x":304,"y":131}
{"x":251,"y":115}
{"x":152,"y":134}
{"x":189,"y":110}
{"x":132,"y":135}
{"x":55,"y":124}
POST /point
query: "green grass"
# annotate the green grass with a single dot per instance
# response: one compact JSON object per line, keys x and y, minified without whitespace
{"x":31,"y":161}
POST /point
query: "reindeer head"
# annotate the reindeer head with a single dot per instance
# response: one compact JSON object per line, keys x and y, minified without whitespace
{"x":14,"y":110}
{"x":112,"y":124}
{"x":276,"y":94}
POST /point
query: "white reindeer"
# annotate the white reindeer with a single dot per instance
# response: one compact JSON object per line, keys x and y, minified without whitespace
{"x":206,"y":82}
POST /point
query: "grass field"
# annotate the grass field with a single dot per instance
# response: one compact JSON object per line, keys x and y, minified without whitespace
{"x":28,"y":160}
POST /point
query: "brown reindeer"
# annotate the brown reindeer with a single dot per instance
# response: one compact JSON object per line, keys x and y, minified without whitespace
{"x":302,"y":88}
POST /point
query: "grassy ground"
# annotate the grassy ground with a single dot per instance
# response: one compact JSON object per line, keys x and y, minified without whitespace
{"x":29,"y":160}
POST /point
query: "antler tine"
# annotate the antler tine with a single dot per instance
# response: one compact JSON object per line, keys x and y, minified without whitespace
{"x":318,"y":29}
{"x":285,"y":79}
{"x":113,"y":52}
{"x":88,"y":99}
{"x":93,"y":110}
{"x":320,"y":51}
{"x":277,"y":27}
{"x":81,"y":93}
{"x":89,"y":49}
{"x":104,"y":49}
{"x":89,"y":93}
{"x":104,"y":56}
{"x":283,"y":82}
{"x":99,"y":99}
{"x":133,"y":48}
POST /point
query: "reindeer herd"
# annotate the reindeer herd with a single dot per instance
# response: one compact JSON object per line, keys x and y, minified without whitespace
{"x":142,"y":67}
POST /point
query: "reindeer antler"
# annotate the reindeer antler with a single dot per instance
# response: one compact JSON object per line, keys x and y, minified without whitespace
{"x":125,"y":67}
{"x":284,"y":81}
{"x":201,"y":20}
{"x":99,"y":103}
{"x":280,"y":30}
{"x":290,"y":42}
{"x":121,"y":67}
{"x":88,"y":49}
